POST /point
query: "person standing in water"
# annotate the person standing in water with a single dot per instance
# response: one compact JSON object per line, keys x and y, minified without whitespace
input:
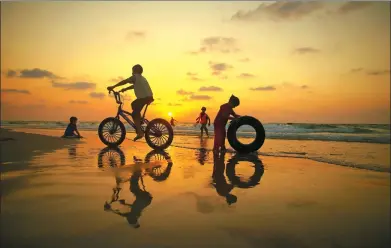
{"x":172,"y":121}
{"x":203,"y":119}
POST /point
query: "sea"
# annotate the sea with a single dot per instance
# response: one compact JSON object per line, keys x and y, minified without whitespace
{"x":361,"y":146}
{"x":367,"y":133}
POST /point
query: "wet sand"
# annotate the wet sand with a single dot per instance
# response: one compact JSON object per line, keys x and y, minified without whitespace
{"x":66,"y":196}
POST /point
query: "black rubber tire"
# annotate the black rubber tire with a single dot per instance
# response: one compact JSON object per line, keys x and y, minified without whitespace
{"x":254,"y":179}
{"x":155,"y":172}
{"x":121,"y":126}
{"x":154,"y":124}
{"x":235,"y":143}
{"x":111,"y":152}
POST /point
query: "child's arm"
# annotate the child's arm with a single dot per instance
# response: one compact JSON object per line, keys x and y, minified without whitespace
{"x":127,"y":88}
{"x":129,"y":80}
{"x":77,"y":131}
{"x":198,"y":119}
{"x":234,"y":115}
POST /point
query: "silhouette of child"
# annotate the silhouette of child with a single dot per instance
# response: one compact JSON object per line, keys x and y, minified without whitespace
{"x":203,"y":119}
{"x":71,"y":130}
{"x":172,"y":121}
{"x":143,"y":92}
{"x":222,"y":117}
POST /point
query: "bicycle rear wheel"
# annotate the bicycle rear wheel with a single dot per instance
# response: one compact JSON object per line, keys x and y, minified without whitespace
{"x":159,"y":134}
{"x":111,"y":132}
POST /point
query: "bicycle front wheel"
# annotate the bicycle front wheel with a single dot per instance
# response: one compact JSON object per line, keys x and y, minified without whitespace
{"x":159,"y":134}
{"x":111,"y":131}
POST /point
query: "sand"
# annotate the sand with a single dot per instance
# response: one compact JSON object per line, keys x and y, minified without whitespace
{"x":56,"y":198}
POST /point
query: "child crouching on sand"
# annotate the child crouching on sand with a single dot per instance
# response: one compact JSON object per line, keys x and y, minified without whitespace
{"x":71,"y":130}
{"x":222,"y":117}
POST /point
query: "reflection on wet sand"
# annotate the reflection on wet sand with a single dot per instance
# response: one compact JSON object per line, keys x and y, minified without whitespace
{"x":152,"y":166}
{"x":72,"y":151}
{"x":202,"y":154}
{"x":219,"y":181}
{"x":222,"y":171}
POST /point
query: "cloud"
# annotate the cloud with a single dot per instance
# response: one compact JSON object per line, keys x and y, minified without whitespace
{"x":282,"y":10}
{"x":246,"y":75}
{"x":244,"y":60}
{"x":293,"y":86}
{"x":352,"y":6}
{"x":306,"y":50}
{"x":123,"y":97}
{"x":11,"y":73}
{"x":97,"y":95}
{"x":74,"y":86}
{"x":193,"y":76}
{"x":31,"y":73}
{"x":355,"y":70}
{"x":174,"y":104}
{"x":266,"y":88}
{"x":16,"y":91}
{"x":116,"y":80}
{"x":184,"y":93}
{"x":378,"y":72}
{"x":133,"y":35}
{"x":370,"y":72}
{"x":217,"y":44}
{"x":211,"y":88}
{"x":218,"y":68}
{"x":200,"y":97}
{"x":77,"y":102}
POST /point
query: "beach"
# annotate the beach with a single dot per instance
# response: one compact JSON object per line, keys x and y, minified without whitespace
{"x":73,"y":193}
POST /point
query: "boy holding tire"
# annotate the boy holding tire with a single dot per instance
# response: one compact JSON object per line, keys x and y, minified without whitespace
{"x":225,"y":113}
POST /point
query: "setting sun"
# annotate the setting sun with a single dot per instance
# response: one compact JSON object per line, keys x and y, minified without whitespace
{"x":170,"y":114}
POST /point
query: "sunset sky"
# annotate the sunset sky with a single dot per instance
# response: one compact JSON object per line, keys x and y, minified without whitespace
{"x":287,"y":61}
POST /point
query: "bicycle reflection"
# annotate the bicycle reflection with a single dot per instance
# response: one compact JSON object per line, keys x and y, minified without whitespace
{"x":152,"y":166}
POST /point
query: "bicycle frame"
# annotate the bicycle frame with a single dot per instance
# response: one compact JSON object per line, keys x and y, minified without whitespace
{"x":124,"y":114}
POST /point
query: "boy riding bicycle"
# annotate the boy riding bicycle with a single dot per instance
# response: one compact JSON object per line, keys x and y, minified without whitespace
{"x":143,"y":92}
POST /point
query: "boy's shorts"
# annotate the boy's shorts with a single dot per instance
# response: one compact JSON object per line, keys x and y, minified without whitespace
{"x":138,"y":104}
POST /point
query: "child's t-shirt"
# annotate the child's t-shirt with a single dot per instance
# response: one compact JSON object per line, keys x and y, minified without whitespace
{"x":222,"y":116}
{"x":70,"y":130}
{"x":141,"y":86}
{"x":203,"y":118}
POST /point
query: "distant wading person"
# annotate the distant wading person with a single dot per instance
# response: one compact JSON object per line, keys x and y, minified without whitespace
{"x":172,"y":121}
{"x":203,"y":119}
{"x":143,"y":92}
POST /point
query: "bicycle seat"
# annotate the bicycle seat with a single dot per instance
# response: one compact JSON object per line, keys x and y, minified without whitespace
{"x":150,"y":101}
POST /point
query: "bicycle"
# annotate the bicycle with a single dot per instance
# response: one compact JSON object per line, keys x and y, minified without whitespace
{"x":158,"y":132}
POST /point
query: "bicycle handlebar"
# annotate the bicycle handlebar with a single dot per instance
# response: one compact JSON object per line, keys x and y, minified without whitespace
{"x":117,"y":96}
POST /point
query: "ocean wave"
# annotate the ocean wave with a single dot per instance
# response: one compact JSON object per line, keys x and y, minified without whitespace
{"x":367,"y":133}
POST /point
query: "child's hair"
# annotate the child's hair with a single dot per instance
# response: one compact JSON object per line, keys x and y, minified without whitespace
{"x":72,"y":119}
{"x":138,"y":68}
{"x":234,"y":101}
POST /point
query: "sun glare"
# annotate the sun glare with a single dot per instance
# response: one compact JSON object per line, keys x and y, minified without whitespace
{"x":169,"y":114}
